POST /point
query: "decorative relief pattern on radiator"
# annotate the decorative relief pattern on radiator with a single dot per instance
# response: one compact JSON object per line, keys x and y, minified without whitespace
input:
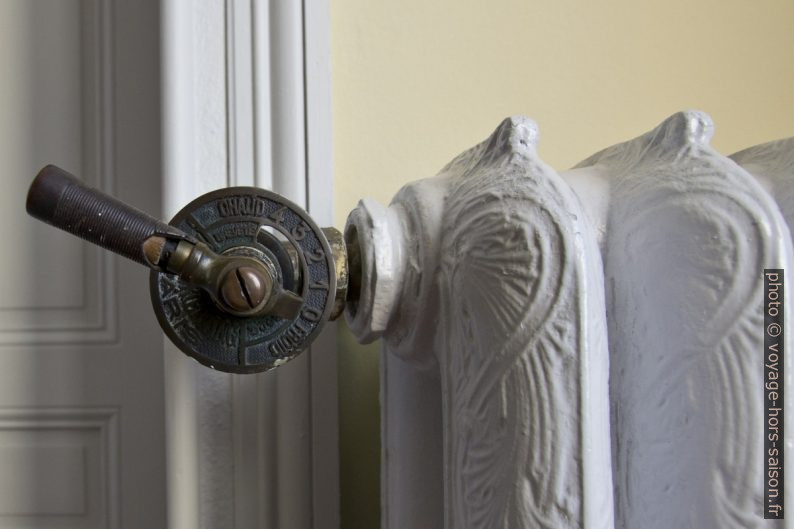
{"x":515,"y":351}
{"x":689,"y":234}
{"x":487,"y":285}
{"x":510,"y":305}
{"x":773,"y":165}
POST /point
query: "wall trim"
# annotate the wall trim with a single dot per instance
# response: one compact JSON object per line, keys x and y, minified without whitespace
{"x":246,"y":101}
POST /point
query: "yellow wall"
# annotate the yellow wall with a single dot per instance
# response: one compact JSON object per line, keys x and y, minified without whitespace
{"x":417,"y":81}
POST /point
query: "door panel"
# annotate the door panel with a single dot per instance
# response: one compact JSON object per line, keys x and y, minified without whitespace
{"x":81,"y":387}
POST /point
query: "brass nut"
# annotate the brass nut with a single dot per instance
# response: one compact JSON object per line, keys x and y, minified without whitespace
{"x":245,"y":288}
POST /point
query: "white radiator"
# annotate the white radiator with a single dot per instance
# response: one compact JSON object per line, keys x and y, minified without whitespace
{"x":578,"y":349}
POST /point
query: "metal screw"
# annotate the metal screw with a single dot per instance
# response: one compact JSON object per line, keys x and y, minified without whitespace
{"x":245,"y":288}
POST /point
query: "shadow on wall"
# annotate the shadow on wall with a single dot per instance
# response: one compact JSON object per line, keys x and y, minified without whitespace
{"x":359,"y":431}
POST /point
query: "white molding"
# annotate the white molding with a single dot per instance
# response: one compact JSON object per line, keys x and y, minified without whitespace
{"x":240,"y":93}
{"x":179,"y":187}
{"x":319,"y":140}
{"x":287,"y":423}
{"x":237,"y":83}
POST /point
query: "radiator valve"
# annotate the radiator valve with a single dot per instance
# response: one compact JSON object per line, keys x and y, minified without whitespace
{"x":241,"y":279}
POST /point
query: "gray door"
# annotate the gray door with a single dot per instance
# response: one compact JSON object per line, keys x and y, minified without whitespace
{"x":81,"y":368}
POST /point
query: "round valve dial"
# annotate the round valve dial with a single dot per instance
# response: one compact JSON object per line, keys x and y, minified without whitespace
{"x":281,"y":239}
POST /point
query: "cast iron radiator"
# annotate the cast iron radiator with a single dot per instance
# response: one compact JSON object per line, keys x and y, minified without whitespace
{"x":581,"y":348}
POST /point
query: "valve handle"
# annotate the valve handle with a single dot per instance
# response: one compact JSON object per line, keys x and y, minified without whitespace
{"x":61,"y":200}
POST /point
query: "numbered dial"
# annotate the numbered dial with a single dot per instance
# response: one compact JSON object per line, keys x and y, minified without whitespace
{"x":257,"y":224}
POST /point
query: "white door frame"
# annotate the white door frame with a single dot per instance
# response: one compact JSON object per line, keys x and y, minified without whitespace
{"x":246,"y":101}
